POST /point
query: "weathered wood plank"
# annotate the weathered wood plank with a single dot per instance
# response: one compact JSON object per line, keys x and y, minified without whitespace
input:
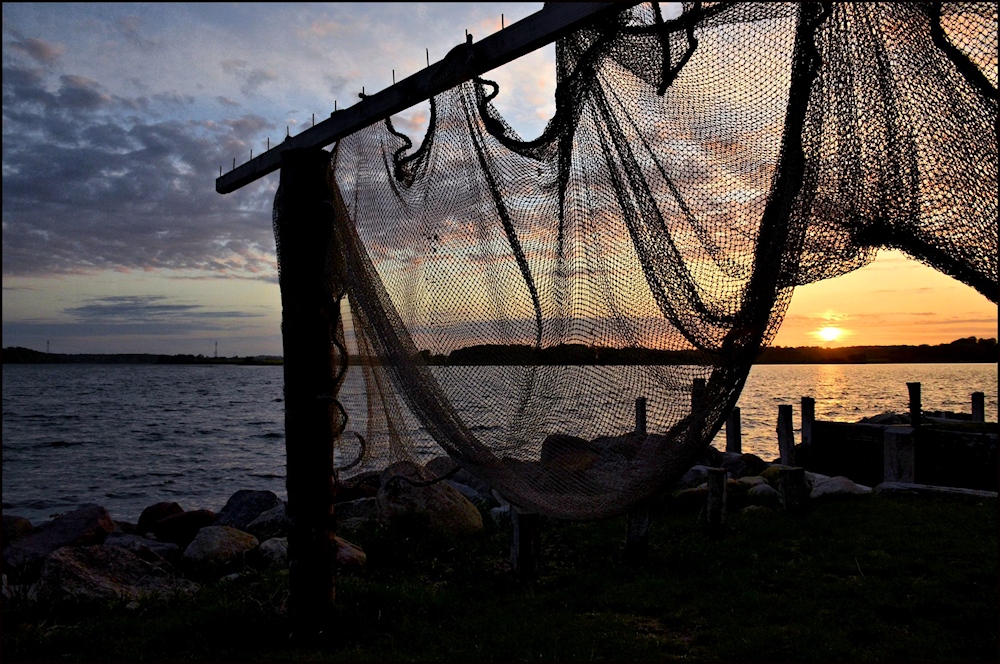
{"x":460,"y":64}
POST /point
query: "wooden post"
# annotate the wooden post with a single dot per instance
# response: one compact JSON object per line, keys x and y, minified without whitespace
{"x":310,"y":321}
{"x":914,"y":389}
{"x":715,"y":506}
{"x":526,"y":544}
{"x":793,"y":489}
{"x":808,"y":417}
{"x":697,"y":393}
{"x":734,"y":433}
{"x":637,"y":526}
{"x":978,"y":407}
{"x":898,"y":452}
{"x":786,"y":435}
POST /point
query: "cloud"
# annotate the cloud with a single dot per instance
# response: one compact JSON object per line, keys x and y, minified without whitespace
{"x":91,"y":184}
{"x":128,"y":27}
{"x":145,"y":308}
{"x":253,"y":78}
{"x":40,"y":51}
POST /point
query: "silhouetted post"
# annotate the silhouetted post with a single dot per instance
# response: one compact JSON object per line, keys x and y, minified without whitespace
{"x":786,"y":435}
{"x":526,"y":544}
{"x":310,"y":314}
{"x":808,"y":417}
{"x":734,"y":432}
{"x":897,"y":453}
{"x":914,"y":389}
{"x":697,"y":392}
{"x":793,"y":489}
{"x":715,"y":506}
{"x":637,"y":526}
{"x":978,"y":407}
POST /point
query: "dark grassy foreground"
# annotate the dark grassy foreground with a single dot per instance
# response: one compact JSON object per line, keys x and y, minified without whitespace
{"x":878,"y":579}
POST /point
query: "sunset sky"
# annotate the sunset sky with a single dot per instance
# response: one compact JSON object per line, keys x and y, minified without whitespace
{"x":117,"y":117}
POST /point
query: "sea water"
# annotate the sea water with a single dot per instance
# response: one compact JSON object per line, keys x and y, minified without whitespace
{"x":127,"y":436}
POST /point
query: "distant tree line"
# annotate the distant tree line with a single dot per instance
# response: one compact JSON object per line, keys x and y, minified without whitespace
{"x":18,"y":355}
{"x":969,"y":349}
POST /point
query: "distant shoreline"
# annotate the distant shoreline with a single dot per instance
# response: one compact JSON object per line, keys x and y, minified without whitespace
{"x":967,"y":350}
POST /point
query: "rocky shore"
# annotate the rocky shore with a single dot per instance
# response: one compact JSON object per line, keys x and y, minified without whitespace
{"x":86,"y":555}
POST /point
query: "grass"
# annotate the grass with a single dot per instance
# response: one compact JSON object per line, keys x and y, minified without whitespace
{"x":875,"y":579}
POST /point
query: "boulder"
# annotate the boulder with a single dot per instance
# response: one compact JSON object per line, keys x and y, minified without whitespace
{"x":442,"y":508}
{"x":764,"y":495}
{"x":692,"y":499}
{"x":103,"y":573}
{"x":742,"y":465}
{"x":363,"y":485}
{"x":695,"y":476}
{"x":711,"y":457}
{"x":152,"y":551}
{"x":218,"y":550}
{"x":772,"y":472}
{"x":182,"y":528}
{"x":356,"y":513}
{"x":274,"y":553}
{"x":837,"y":488}
{"x":13,"y":528}
{"x":627,"y":445}
{"x":244,"y":506}
{"x":24,"y":557}
{"x":155,"y":513}
{"x":126,"y":527}
{"x":567,"y":453}
{"x":270,"y":524}
{"x":750,"y":481}
{"x":442,"y":465}
{"x":350,"y":557}
{"x":406,"y":469}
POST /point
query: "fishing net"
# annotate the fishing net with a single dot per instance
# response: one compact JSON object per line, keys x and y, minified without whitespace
{"x":513,"y":298}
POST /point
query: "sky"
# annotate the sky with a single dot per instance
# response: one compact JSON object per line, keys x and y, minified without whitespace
{"x":117,"y":118}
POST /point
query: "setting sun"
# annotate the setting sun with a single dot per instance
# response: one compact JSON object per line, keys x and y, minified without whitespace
{"x":829,"y":333}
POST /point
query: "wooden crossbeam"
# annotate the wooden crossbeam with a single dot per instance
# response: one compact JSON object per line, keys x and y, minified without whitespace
{"x":462,"y":63}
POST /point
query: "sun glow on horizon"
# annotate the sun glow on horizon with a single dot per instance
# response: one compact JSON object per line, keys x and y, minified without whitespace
{"x":829,"y":333}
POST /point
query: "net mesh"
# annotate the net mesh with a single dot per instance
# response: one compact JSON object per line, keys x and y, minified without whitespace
{"x":697,"y":168}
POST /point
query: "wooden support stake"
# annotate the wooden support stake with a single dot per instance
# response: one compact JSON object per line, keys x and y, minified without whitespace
{"x":715,"y":506}
{"x":808,"y":417}
{"x":310,"y":315}
{"x":697,"y":393}
{"x":793,"y":489}
{"x":734,"y":432}
{"x":526,"y":544}
{"x":637,"y":526}
{"x":914,"y":390}
{"x":786,"y":435}
{"x":978,"y":407}
{"x":897,"y":454}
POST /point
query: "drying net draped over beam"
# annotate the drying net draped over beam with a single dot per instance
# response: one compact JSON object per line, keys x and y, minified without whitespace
{"x":696,"y":170}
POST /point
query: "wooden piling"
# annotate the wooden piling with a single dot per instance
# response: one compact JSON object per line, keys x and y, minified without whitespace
{"x":898,"y":453}
{"x":978,"y":407}
{"x":734,"y":432}
{"x":715,"y":505}
{"x":310,"y":324}
{"x":808,"y":417}
{"x":637,"y":525}
{"x":697,"y":393}
{"x":793,"y":489}
{"x":786,"y":435}
{"x":526,"y":544}
{"x":914,"y":390}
